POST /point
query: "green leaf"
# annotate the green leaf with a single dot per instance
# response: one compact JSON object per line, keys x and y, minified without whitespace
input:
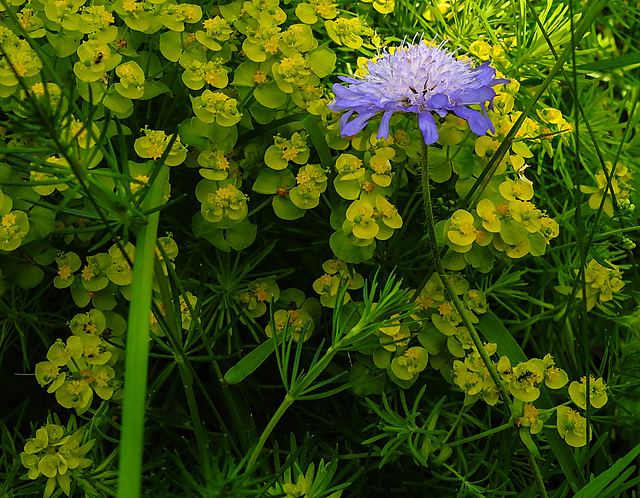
{"x":526,"y":438}
{"x":611,"y":63}
{"x":43,"y":222}
{"x":273,"y":158}
{"x":22,"y":274}
{"x":368,"y":382}
{"x":347,"y":189}
{"x":306,"y":13}
{"x":203,"y":229}
{"x":596,"y":487}
{"x":269,"y":181}
{"x":190,"y":136}
{"x":439,"y":166}
{"x":154,"y":88}
{"x":242,"y":235}
{"x":269,"y":95}
{"x":263,"y":115}
{"x":65,"y":43}
{"x":322,"y":60}
{"x":247,"y":365}
{"x":316,"y":134}
{"x":285,"y":209}
{"x":349,"y":253}
{"x":118,"y":104}
{"x":244,"y":73}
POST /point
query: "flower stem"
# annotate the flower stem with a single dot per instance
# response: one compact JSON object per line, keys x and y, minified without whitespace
{"x":431,"y":228}
{"x":428,"y":211}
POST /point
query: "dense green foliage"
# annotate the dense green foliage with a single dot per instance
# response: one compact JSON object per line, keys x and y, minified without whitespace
{"x":206,"y":290}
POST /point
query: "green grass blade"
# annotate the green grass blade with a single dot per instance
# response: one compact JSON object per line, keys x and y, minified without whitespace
{"x":596,"y":486}
{"x":137,"y":359}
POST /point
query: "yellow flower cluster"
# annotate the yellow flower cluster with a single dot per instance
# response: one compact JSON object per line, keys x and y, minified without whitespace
{"x":56,"y":456}
{"x":337,"y":275}
{"x":78,"y":368}
{"x":154,"y":143}
{"x":600,"y":284}
{"x":618,"y":189}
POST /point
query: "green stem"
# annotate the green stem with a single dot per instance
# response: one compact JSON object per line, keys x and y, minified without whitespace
{"x":184,"y":365}
{"x":137,"y":358}
{"x":481,"y":435}
{"x":542,"y":492}
{"x":286,"y":403}
{"x":297,"y":389}
{"x":428,"y":211}
{"x":426,"y":197}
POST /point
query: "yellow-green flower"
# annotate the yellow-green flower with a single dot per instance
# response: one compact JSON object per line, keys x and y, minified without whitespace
{"x":525,"y":378}
{"x":48,"y":373}
{"x":226,"y":203}
{"x":60,"y":353}
{"x":462,"y":232}
{"x":216,"y":106}
{"x":132,"y":78}
{"x":516,"y":190}
{"x":601,"y":283}
{"x":597,"y":392}
{"x":94,"y":351}
{"x":487,"y":212}
{"x":360,"y":216}
{"x":555,"y":377}
{"x":410,"y":364}
{"x":380,"y":163}
{"x":530,"y":419}
{"x":14,"y":226}
{"x":620,"y":188}
{"x":154,"y":143}
{"x":103,"y":385}
{"x":75,"y":394}
{"x":294,"y":321}
{"x":187,"y":318}
{"x":56,"y":457}
{"x":572,"y":427}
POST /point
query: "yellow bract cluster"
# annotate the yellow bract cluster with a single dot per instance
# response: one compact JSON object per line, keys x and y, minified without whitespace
{"x":600,"y":283}
{"x":78,"y":368}
{"x":57,"y":456}
{"x":258,"y":296}
{"x":613,"y":184}
{"x":154,"y":143}
{"x":337,"y":275}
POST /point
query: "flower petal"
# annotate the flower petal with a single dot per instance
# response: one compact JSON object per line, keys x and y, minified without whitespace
{"x":478,"y":123}
{"x":428,"y":128}
{"x":357,"y":124}
{"x":383,"y":132}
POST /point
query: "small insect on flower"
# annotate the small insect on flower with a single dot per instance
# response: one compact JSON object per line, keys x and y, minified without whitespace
{"x":523,"y":376}
{"x":418,"y":78}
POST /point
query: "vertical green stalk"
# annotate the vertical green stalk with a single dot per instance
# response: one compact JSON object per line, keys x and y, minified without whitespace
{"x":428,"y":211}
{"x":286,"y":403}
{"x":137,"y":349}
{"x":431,"y":228}
{"x":184,"y":365}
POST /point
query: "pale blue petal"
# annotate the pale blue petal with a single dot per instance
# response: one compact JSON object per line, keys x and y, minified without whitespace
{"x":428,"y":128}
{"x":383,"y":132}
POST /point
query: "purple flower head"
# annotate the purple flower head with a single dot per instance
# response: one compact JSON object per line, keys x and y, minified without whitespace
{"x":421,"y":79}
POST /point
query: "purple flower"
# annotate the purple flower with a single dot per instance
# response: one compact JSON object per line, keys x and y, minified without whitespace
{"x":421,"y":79}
